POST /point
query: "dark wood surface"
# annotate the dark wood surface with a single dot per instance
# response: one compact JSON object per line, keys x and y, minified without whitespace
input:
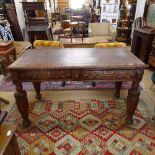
{"x":115,"y":64}
{"x":78,"y":58}
{"x":5,"y":45}
{"x":8,"y":143}
{"x":13,"y":20}
{"x":7,"y":48}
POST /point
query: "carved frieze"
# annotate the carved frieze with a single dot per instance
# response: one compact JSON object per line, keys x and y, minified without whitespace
{"x":110,"y":75}
{"x":45,"y":75}
{"x":77,"y":74}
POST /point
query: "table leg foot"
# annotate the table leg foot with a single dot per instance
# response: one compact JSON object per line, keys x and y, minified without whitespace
{"x":132,"y":101}
{"x":129,"y":121}
{"x":22,"y":103}
{"x":36,"y":86}
{"x":26,"y":123}
{"x":93,"y":84}
{"x":38,"y":96}
{"x":118,"y":86}
{"x":63,"y":84}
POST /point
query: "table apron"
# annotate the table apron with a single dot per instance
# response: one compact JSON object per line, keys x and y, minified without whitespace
{"x":72,"y":74}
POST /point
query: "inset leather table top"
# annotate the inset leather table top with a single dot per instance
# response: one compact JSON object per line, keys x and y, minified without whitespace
{"x":83,"y":58}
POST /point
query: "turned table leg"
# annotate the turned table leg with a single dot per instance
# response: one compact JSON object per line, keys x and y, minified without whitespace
{"x":22,"y":103}
{"x":118,"y":86}
{"x":36,"y":86}
{"x":132,"y":102}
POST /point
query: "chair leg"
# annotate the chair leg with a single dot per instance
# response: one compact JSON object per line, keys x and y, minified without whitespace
{"x":49,"y":33}
{"x":63,"y":83}
{"x":93,"y":84}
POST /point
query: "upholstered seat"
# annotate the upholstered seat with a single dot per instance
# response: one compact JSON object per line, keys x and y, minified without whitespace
{"x":102,"y":29}
{"x":46,"y":43}
{"x":110,"y":45}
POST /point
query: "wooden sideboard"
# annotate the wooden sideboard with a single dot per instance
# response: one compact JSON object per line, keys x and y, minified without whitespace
{"x":142,"y":43}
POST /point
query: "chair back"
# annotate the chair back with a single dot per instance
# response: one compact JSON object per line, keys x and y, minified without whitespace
{"x":110,"y":45}
{"x":94,"y":18}
{"x":47,"y":44}
{"x":140,"y":22}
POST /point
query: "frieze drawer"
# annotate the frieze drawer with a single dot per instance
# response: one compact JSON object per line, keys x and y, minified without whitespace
{"x":46,"y":75}
{"x":109,"y":75}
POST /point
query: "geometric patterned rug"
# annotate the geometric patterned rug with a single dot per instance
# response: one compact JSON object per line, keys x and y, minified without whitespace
{"x":83,"y":127}
{"x":70,"y":85}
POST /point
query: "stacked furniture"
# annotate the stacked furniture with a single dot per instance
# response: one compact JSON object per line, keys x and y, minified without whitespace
{"x":69,"y":27}
{"x":36,"y":19}
{"x":124,"y":25}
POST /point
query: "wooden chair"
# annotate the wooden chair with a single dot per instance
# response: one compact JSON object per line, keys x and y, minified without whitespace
{"x":53,"y":19}
{"x":139,"y":22}
{"x":65,"y":25}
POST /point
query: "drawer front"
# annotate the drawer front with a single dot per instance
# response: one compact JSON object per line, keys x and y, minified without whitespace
{"x":109,"y":75}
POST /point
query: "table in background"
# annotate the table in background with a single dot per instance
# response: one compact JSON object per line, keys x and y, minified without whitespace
{"x":87,"y":42}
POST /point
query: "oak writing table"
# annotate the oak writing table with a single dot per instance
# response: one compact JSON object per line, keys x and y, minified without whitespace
{"x":87,"y":64}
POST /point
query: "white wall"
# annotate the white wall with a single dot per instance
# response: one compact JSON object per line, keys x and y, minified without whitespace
{"x":140,"y":8}
{"x":20,"y":14}
{"x":89,"y":1}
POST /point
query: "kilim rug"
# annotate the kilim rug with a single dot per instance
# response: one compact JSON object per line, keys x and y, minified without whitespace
{"x":56,"y":85}
{"x":84,"y":127}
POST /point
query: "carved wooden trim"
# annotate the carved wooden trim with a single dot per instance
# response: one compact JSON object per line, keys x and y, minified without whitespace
{"x":77,"y":74}
{"x":109,"y":75}
{"x":139,"y":74}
